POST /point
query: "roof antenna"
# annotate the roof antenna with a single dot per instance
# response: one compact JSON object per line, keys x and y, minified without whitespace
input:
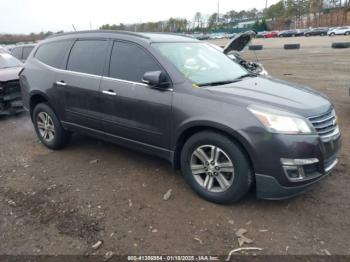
{"x":74,"y":28}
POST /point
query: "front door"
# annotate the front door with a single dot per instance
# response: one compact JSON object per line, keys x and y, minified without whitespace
{"x":131,"y":109}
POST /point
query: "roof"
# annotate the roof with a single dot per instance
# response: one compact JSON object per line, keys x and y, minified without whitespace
{"x":150,"y":37}
{"x":168,"y":37}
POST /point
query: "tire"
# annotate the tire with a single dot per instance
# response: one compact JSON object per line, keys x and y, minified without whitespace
{"x":56,"y":136}
{"x":238,"y":179}
{"x":256,"y":47}
{"x":341,"y":45}
{"x":307,"y":35}
{"x":291,"y":46}
{"x":332,"y":34}
{"x":347,"y":33}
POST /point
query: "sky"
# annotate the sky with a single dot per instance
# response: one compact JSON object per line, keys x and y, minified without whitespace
{"x":26,"y":16}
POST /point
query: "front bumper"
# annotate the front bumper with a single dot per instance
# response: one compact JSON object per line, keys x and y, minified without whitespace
{"x":272,"y":178}
{"x":269,"y":188}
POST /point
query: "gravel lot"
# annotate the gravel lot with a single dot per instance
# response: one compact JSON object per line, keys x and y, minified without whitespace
{"x":305,"y":42}
{"x":62,"y":202}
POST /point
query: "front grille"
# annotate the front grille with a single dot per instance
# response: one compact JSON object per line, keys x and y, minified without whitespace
{"x":325,"y":124}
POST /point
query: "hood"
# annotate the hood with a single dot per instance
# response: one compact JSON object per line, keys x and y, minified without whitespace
{"x":275,"y":93}
{"x":239,"y":42}
{"x":8,"y":74}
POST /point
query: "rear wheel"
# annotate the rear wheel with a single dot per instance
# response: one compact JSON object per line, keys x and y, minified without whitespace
{"x":48,"y":128}
{"x":347,"y":33}
{"x":216,"y":167}
{"x":332,"y":34}
{"x":307,"y":35}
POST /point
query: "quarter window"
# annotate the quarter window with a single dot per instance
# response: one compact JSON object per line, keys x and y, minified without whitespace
{"x":26,"y":51}
{"x":130,"y":62}
{"x":53,"y":53}
{"x":88,"y":56}
{"x":17,"y":52}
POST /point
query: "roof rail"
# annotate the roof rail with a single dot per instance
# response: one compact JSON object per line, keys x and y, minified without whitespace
{"x":171,"y":33}
{"x":100,"y":31}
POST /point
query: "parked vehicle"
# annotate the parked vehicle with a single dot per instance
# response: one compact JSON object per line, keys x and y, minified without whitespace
{"x":344,"y":30}
{"x":201,"y":36}
{"x":22,"y":52}
{"x":289,"y":33}
{"x":231,"y":36}
{"x":182,"y":100}
{"x":218,"y":36}
{"x":10,"y":93}
{"x":271,"y":34}
{"x":261,"y":34}
{"x":321,"y":31}
{"x":2,"y":50}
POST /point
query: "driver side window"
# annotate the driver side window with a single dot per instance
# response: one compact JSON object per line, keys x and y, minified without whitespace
{"x":130,"y":62}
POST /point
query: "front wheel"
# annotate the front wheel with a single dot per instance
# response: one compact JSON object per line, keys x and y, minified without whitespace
{"x":48,"y":128}
{"x":347,"y":33}
{"x":216,"y":167}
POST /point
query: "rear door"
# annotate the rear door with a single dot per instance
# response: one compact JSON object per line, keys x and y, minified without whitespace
{"x":130,"y":108}
{"x":79,"y":83}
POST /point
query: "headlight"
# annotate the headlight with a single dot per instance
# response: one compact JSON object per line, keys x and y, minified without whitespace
{"x":278,"y":121}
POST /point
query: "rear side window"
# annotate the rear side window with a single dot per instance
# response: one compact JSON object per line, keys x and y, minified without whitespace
{"x":53,"y":53}
{"x":130,"y":62}
{"x":17,"y":52}
{"x":88,"y":56}
{"x":26,"y":51}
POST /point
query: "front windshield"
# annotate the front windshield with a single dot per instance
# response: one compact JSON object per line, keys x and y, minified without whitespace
{"x":7,"y":61}
{"x":201,"y":63}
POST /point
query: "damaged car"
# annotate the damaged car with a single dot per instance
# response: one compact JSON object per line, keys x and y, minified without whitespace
{"x":236,"y":46}
{"x":10,"y":91}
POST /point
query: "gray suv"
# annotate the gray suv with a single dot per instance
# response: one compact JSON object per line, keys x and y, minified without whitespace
{"x":182,"y":100}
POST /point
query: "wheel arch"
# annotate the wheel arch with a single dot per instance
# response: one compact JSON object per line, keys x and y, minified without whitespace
{"x":192,"y":129}
{"x":37,"y":97}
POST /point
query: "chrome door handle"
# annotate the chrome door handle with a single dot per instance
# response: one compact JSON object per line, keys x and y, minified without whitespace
{"x":109,"y":92}
{"x":60,"y":83}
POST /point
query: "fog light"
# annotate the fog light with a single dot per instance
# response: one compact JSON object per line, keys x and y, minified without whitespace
{"x":294,"y":168}
{"x":294,"y":173}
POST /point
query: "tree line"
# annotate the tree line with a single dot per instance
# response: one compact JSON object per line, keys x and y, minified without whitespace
{"x":284,"y":14}
{"x":9,"y":39}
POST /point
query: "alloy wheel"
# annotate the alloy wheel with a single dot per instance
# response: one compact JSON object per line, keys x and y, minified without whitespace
{"x":212,"y":168}
{"x":45,"y":126}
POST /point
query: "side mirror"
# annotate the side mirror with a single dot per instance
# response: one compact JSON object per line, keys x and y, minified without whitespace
{"x":155,"y":79}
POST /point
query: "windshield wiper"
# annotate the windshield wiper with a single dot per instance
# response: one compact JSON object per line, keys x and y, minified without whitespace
{"x":218,"y":83}
{"x":247,"y":75}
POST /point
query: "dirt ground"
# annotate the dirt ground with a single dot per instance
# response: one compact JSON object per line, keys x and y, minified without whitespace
{"x":62,"y":202}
